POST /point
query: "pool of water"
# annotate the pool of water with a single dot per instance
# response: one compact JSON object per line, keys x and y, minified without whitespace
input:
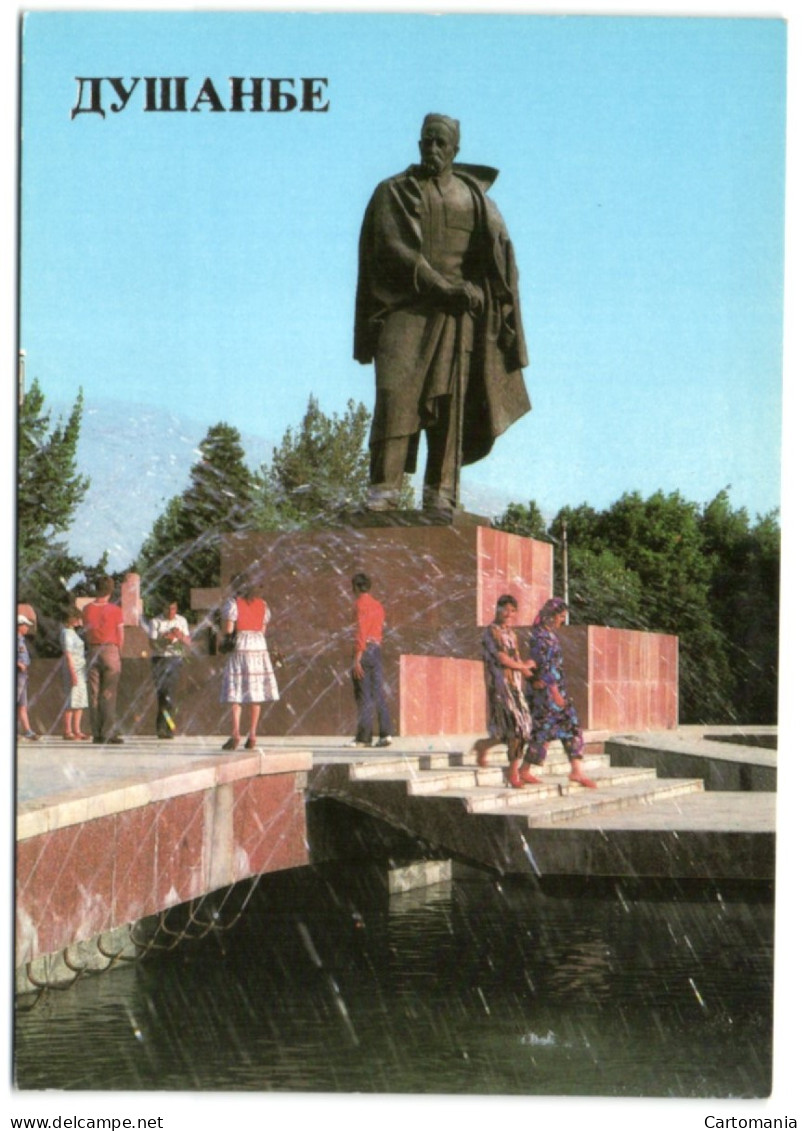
{"x":327,"y":984}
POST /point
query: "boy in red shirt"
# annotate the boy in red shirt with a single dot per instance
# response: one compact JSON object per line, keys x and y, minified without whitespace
{"x":367,"y":675}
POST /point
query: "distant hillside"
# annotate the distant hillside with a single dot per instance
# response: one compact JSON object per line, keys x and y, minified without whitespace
{"x":138,"y":458}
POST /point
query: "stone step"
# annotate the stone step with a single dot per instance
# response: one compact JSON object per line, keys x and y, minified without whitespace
{"x":554,"y":789}
{"x":483,"y":790}
{"x":588,"y":801}
{"x":503,"y":800}
{"x":374,"y":764}
{"x":498,"y":757}
{"x":439,"y":781}
{"x":424,"y":782}
{"x":383,"y":766}
{"x":605,"y":775}
{"x":468,"y":780}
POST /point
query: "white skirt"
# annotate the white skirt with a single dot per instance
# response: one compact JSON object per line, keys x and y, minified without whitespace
{"x":248,"y":676}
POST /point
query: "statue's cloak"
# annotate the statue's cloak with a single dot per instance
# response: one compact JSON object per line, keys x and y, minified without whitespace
{"x":392,"y":270}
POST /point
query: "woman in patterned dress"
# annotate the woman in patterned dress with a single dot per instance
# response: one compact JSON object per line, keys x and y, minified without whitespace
{"x":554,"y":714}
{"x":248,"y":675}
{"x":508,"y":714}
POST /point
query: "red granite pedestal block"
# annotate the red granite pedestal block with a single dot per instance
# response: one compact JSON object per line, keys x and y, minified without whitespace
{"x":439,"y":585}
{"x":622,"y":679}
{"x":521,"y":567}
{"x":441,"y":696}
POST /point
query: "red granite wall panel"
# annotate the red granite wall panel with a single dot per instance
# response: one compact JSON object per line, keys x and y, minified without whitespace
{"x":439,"y":585}
{"x":441,"y":712}
{"x":64,"y":887}
{"x":487,"y":573}
{"x":453,"y":705}
{"x":515,"y":577}
{"x":269,"y":825}
{"x":601,"y":705}
{"x":440,"y":695}
{"x":180,"y":862}
{"x":507,"y":563}
{"x":413,"y":695}
{"x":74,"y":883}
{"x":470,"y":697}
{"x":135,"y":885}
{"x":631,"y":679}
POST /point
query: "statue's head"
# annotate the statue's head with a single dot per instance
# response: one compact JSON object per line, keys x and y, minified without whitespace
{"x":439,"y":143}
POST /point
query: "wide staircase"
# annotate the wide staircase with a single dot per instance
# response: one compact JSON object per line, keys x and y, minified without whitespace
{"x":634,"y":823}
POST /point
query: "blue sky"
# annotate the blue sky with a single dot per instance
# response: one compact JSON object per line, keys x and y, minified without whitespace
{"x":204,"y":264}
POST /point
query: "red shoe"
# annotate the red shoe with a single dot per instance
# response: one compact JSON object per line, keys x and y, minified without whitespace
{"x":583,"y":780}
{"x":528,"y":777}
{"x":514,"y":777}
{"x":482,"y":755}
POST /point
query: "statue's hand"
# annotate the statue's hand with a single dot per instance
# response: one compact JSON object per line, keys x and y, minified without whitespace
{"x":476,"y":298}
{"x":463,"y":298}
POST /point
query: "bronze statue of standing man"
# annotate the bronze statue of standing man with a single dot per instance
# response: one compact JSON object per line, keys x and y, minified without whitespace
{"x":437,"y":310}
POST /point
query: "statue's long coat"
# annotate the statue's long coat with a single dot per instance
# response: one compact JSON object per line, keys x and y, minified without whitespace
{"x":390,"y":257}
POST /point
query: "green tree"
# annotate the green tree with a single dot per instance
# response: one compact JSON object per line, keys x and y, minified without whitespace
{"x":659,"y":543}
{"x":525,"y":520}
{"x":659,"y":538}
{"x":603,"y":590}
{"x":181,"y":551}
{"x":318,"y":471}
{"x":49,"y":485}
{"x":49,"y":490}
{"x":744,"y":562}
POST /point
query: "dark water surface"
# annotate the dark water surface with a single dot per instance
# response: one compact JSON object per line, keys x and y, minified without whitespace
{"x":326,"y":984}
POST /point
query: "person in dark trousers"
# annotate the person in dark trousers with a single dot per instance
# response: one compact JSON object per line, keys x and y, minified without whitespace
{"x":554,"y":714}
{"x":103,"y":629}
{"x":368,"y":679}
{"x":170,"y":640}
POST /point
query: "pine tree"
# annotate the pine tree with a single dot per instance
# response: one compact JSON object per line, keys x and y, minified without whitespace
{"x":49,"y":486}
{"x":182,"y":549}
{"x":49,"y":490}
{"x":318,"y":471}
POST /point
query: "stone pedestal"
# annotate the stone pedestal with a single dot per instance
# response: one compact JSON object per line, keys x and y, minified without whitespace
{"x":622,"y":679}
{"x":438,"y":582}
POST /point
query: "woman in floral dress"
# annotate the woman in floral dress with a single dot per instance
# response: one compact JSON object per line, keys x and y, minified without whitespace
{"x":508,"y":714}
{"x":554,"y":714}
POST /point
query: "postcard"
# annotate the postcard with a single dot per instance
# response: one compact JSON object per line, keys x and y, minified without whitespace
{"x":459,"y":320}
